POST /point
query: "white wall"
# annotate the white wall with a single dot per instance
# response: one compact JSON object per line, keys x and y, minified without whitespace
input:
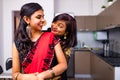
{"x":78,"y":7}
{"x":1,"y":33}
{"x":8,"y":7}
{"x":88,"y":39}
{"x":97,"y":4}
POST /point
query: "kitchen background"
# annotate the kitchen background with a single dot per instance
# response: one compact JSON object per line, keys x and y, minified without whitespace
{"x":78,"y":8}
{"x":114,"y":36}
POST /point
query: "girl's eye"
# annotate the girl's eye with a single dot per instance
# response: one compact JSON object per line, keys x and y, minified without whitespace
{"x":39,"y":17}
{"x":60,"y":25}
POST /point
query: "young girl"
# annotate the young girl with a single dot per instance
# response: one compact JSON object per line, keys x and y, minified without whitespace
{"x":64,"y":26}
{"x":33,"y":50}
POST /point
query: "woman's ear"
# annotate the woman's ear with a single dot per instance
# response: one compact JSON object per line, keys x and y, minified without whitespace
{"x":26,"y":19}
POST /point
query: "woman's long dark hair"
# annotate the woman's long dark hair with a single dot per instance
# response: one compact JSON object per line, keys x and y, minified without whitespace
{"x":21,"y":35}
{"x":71,"y":30}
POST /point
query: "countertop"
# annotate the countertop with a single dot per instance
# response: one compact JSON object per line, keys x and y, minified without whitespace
{"x":114,"y":61}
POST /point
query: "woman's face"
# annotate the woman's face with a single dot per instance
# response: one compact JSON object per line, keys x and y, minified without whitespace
{"x":37,"y":21}
{"x":59,"y":27}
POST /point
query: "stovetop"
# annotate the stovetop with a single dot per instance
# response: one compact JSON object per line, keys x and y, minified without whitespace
{"x":113,"y":58}
{"x":113,"y":61}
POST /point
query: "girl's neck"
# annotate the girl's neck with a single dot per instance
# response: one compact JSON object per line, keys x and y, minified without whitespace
{"x":35,"y":35}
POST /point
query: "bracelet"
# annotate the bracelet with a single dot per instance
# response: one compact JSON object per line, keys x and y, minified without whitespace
{"x":52,"y":72}
{"x":16,"y":76}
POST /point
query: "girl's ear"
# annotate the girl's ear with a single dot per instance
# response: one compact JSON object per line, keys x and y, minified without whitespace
{"x":26,"y":19}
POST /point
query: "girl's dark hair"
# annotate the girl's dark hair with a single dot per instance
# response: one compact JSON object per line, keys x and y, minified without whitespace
{"x":71,"y":30}
{"x":21,"y":35}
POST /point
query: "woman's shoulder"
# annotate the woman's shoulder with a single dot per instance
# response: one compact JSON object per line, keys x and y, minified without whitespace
{"x":52,"y":36}
{"x":16,"y":42}
{"x":68,"y":51}
{"x":50,"y":33}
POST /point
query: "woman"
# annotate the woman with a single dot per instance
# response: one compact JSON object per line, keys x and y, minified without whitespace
{"x":64,"y":26}
{"x":33,"y":50}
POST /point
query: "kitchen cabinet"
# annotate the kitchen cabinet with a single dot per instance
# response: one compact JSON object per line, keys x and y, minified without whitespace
{"x":80,"y":23}
{"x":101,"y":70}
{"x":86,"y":23}
{"x":82,"y":62}
{"x":110,"y":17}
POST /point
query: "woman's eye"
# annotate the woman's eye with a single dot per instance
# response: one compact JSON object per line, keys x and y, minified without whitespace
{"x":39,"y":17}
{"x":60,"y":25}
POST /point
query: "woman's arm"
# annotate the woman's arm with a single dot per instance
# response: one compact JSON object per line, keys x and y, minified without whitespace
{"x":16,"y":75}
{"x":59,"y":68}
{"x":62,"y":63}
{"x":15,"y":62}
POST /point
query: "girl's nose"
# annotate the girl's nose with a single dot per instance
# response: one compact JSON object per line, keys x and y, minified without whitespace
{"x":54,"y":25}
{"x":43,"y":22}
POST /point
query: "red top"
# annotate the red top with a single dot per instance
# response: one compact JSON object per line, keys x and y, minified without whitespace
{"x":40,"y":57}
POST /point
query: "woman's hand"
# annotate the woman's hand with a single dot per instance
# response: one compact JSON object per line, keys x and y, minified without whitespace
{"x":40,"y":76}
{"x":29,"y":76}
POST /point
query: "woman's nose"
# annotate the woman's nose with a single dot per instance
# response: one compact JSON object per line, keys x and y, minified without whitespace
{"x":43,"y":22}
{"x":54,"y":25}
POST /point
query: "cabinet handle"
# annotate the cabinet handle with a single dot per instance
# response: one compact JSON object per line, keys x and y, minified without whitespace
{"x":81,"y":29}
{"x":110,"y":24}
{"x":87,"y":29}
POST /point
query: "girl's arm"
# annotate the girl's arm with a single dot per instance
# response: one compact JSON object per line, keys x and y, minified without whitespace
{"x":15,"y":62}
{"x":59,"y":68}
{"x":16,"y":75}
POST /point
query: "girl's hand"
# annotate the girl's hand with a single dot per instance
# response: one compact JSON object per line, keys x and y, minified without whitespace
{"x":41,"y":76}
{"x":29,"y":76}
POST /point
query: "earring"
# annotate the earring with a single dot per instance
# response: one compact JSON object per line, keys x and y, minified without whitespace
{"x":65,"y":37}
{"x":28,"y":31}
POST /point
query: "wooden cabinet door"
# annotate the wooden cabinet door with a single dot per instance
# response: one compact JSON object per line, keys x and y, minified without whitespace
{"x":104,"y":20}
{"x":110,"y":17}
{"x":101,"y":21}
{"x":95,"y":67}
{"x":115,"y":13}
{"x":101,"y":70}
{"x":86,"y":23}
{"x":90,"y":23}
{"x":82,"y":62}
{"x":80,"y":23}
{"x":107,"y":72}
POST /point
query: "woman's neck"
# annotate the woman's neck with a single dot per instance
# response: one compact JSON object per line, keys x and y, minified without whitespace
{"x":35,"y":35}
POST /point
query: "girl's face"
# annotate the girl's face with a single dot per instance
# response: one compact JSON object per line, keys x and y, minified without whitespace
{"x":59,"y":27}
{"x":37,"y":21}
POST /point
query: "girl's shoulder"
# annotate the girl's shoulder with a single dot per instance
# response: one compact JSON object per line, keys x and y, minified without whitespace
{"x":52,"y":36}
{"x":49,"y":33}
